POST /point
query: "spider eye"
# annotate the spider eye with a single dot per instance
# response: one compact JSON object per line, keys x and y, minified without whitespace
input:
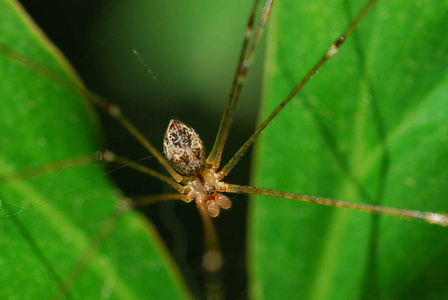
{"x":184,"y":148}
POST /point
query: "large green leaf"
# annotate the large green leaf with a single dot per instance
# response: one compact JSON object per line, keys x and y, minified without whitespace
{"x":47,"y":222}
{"x":371,"y":127}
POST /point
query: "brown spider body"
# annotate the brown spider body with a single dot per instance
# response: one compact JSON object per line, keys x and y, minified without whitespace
{"x":185,"y":151}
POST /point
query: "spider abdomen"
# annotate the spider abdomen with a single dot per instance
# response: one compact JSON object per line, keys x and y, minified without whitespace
{"x":184,"y":148}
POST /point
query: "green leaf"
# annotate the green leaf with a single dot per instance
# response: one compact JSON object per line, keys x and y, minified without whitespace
{"x":47,"y":222}
{"x":371,"y":127}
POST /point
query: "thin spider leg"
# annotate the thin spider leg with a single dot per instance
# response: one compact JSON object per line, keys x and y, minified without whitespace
{"x":110,"y":108}
{"x":142,"y":201}
{"x":242,"y":70}
{"x":114,"y":111}
{"x":112,"y":220}
{"x":108,"y":156}
{"x":212,"y":259}
{"x":330,"y":52}
{"x":429,"y":217}
{"x":111,"y":157}
{"x":101,"y":235}
{"x":230,"y":98}
{"x":47,"y":168}
{"x":104,"y":231}
{"x":28,"y":63}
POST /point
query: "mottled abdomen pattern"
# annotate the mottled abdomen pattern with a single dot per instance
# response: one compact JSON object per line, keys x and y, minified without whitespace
{"x":184,"y":148}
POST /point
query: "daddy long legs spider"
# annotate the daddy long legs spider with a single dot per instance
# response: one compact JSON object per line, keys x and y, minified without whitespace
{"x":320,"y":265}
